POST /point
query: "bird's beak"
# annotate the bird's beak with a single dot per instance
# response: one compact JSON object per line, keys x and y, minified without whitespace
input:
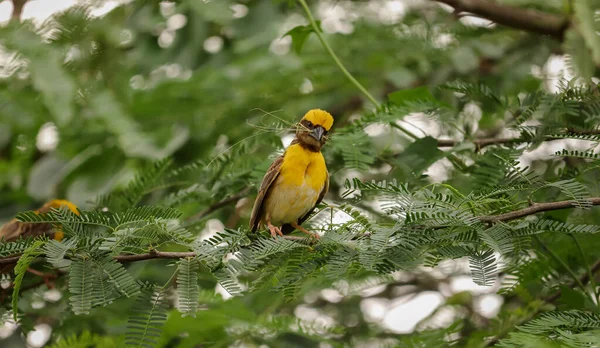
{"x":317,"y":132}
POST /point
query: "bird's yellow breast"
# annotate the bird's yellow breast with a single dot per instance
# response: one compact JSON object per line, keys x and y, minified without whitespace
{"x":300,"y":165}
{"x":301,"y":179}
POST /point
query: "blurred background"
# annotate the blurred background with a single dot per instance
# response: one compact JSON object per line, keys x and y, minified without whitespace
{"x":92,"y":92}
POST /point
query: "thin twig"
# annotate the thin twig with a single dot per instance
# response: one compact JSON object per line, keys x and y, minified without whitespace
{"x":9,"y":259}
{"x":155,"y":255}
{"x":563,"y":264}
{"x":219,"y":205}
{"x":514,"y":17}
{"x":589,"y":270}
{"x":339,"y":63}
{"x":334,"y":56}
{"x":482,"y":142}
{"x":537,"y":208}
{"x":550,"y":299}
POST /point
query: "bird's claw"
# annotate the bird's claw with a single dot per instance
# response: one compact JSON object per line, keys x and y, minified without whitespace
{"x":275,"y":231}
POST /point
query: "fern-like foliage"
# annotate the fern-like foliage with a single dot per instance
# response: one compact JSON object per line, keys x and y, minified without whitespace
{"x":81,"y":282}
{"x":146,"y":320}
{"x":187,"y":286}
{"x":56,"y":252}
{"x":87,"y":340}
{"x":355,"y":149}
{"x":137,"y":187}
{"x":483,"y":267}
{"x":30,"y":254}
{"x":117,"y":276}
{"x":561,"y":327}
{"x":16,"y":247}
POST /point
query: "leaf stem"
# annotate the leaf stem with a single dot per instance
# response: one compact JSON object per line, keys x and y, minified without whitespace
{"x":335,"y":58}
{"x":564,"y":265}
{"x":589,"y":270}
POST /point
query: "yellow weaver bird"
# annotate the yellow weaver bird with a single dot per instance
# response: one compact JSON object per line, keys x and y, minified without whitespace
{"x":14,"y":229}
{"x":296,"y":181}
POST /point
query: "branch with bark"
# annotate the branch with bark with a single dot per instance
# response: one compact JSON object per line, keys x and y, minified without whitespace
{"x":515,"y":17}
{"x":220,"y":204}
{"x":482,"y":142}
{"x":533,"y":209}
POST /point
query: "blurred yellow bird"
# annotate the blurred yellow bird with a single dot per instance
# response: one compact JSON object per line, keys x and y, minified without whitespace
{"x":14,"y":229}
{"x":296,"y":181}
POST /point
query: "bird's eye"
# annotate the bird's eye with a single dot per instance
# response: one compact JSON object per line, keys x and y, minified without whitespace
{"x":309,"y":124}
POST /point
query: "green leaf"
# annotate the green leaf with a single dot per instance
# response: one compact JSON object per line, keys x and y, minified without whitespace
{"x":48,"y":75}
{"x":118,"y":275}
{"x":579,"y":58}
{"x":464,"y":59}
{"x":405,"y":96}
{"x":25,"y":260}
{"x":147,"y":319}
{"x":572,"y":299}
{"x":299,"y":35}
{"x":418,"y":156}
{"x":81,"y":276}
{"x":483,"y":267}
{"x":584,"y":12}
{"x":187,"y":287}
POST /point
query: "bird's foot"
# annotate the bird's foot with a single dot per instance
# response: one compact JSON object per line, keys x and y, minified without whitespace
{"x":304,"y":230}
{"x":275,"y":231}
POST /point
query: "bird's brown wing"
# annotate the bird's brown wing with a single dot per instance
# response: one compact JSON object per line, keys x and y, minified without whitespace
{"x":287,"y":228}
{"x":268,"y":180}
{"x":15,"y":229}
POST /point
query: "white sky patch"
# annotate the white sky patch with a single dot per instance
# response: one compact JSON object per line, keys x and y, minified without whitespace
{"x":375,"y":129}
{"x":444,"y":317}
{"x":477,"y":22}
{"x":213,"y":44}
{"x":105,"y":8}
{"x":221,"y":291}
{"x":404,"y":317}
{"x":6,"y":9}
{"x":465,"y":283}
{"x":47,"y":138}
{"x":374,"y":309}
{"x":39,"y":336}
{"x":176,"y":21}
{"x":287,"y":139}
{"x":331,"y":295}
{"x":52,"y":295}
{"x":281,"y":46}
{"x":39,"y":11}
{"x":239,"y":10}
{"x":489,"y":305}
{"x":166,"y":38}
{"x":391,"y":12}
{"x":306,"y":86}
{"x":7,"y":329}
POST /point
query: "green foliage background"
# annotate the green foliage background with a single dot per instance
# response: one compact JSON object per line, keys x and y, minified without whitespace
{"x":162,"y":145}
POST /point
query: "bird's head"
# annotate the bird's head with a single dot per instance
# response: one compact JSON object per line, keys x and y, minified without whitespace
{"x":57,"y":204}
{"x":313,"y":128}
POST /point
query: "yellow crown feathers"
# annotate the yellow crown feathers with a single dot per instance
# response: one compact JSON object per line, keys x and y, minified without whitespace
{"x":320,"y":118}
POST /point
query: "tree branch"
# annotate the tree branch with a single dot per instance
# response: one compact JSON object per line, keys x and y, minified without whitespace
{"x":514,"y":17}
{"x":219,"y":205}
{"x":17,"y":9}
{"x":537,"y":208}
{"x":534,"y":209}
{"x":155,"y":255}
{"x":482,"y":142}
